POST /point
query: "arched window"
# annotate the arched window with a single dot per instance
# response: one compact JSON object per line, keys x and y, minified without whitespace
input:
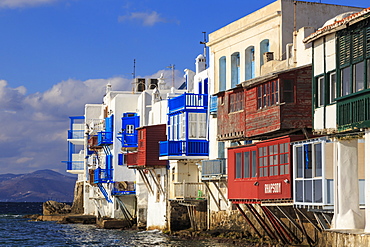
{"x":264,"y":47}
{"x":235,"y":69}
{"x":249,"y":63}
{"x":222,"y":74}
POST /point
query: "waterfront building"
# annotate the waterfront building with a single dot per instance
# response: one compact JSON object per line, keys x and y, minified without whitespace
{"x":261,"y":72}
{"x":341,"y":101}
{"x":151,"y":172}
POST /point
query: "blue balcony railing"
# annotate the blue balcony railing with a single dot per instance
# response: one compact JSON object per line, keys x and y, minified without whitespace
{"x":105,"y":138}
{"x":213,"y":169}
{"x":103,"y":175}
{"x":188,"y":100}
{"x":184,"y":148}
{"x":75,"y":165}
{"x":76,"y":134}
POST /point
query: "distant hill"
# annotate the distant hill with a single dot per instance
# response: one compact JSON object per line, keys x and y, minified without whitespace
{"x":38,"y":186}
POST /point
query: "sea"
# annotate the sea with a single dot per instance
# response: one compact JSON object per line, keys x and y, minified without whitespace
{"x":16,"y":230}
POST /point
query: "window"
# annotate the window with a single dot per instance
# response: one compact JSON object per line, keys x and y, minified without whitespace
{"x":309,"y":180}
{"x":254,"y":164}
{"x":222,"y":74}
{"x":267,"y":94}
{"x":236,"y":101}
{"x":288,"y":91}
{"x":284,"y":158}
{"x":238,"y":165}
{"x":320,"y":91}
{"x":235,"y":69}
{"x":130,"y":129}
{"x":307,"y":161}
{"x":263,"y":161}
{"x":346,"y":81}
{"x":247,"y":165}
{"x":333,"y":87}
{"x":359,"y":76}
{"x":249,"y":63}
{"x":264,"y":47}
{"x":353,"y":50}
{"x":197,"y":125}
{"x":318,"y":159}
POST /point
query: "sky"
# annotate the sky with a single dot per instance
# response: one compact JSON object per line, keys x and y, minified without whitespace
{"x":57,"y":55}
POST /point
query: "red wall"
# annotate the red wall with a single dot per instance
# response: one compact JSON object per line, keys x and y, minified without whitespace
{"x":148,"y":148}
{"x":256,"y":123}
{"x":260,"y":188}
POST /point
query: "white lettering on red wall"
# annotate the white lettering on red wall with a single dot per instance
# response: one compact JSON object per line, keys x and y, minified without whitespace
{"x":274,"y":188}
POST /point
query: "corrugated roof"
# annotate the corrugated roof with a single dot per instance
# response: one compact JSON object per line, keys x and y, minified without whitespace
{"x":335,"y":26}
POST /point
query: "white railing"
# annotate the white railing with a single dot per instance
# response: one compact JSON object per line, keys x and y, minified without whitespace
{"x":95,"y":125}
{"x":186,"y":190}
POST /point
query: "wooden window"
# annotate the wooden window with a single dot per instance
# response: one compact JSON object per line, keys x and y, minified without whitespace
{"x":284,"y":158}
{"x":267,"y":94}
{"x":320,"y":91}
{"x":333,"y":87}
{"x":238,"y":165}
{"x":357,"y":45}
{"x":344,"y":45}
{"x":346,"y":81}
{"x":263,"y":161}
{"x":247,"y":165}
{"x":288,"y":91}
{"x":236,"y":101}
{"x":358,"y":76}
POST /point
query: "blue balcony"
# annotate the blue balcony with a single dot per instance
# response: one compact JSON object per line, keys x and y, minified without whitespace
{"x":76,"y":134}
{"x":75,"y":165}
{"x":213,"y":169}
{"x":184,"y":148}
{"x":105,"y":138}
{"x":103,"y":175}
{"x":188,"y":101}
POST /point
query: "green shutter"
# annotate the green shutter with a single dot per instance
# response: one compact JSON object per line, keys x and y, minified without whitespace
{"x":357,"y":45}
{"x":344,"y":46}
{"x":367,"y":41}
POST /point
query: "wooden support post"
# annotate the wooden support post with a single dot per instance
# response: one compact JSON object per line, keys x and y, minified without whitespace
{"x":275,"y":225}
{"x":309,"y":220}
{"x":159,"y":186}
{"x":292,"y":235}
{"x":248,"y":220}
{"x":309,"y":240}
{"x":213,"y":196}
{"x":219,"y":191}
{"x":146,"y":181}
{"x":261,"y":221}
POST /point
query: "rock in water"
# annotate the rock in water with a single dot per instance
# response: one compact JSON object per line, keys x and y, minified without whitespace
{"x":53,"y":207}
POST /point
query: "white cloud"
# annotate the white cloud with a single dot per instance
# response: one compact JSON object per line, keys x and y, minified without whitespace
{"x":23,"y":3}
{"x":146,"y":18}
{"x":34,"y":127}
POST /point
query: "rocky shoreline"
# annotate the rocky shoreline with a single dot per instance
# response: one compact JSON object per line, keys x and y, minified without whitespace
{"x":236,"y":238}
{"x":62,"y":213}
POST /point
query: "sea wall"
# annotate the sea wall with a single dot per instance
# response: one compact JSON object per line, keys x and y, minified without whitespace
{"x":233,"y":220}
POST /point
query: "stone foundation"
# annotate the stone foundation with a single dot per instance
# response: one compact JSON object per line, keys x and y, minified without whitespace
{"x":179,"y":215}
{"x":78,"y":200}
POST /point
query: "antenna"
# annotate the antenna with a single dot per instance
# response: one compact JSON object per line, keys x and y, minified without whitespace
{"x":133,"y":74}
{"x":172,"y":66}
{"x":204,"y":42}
